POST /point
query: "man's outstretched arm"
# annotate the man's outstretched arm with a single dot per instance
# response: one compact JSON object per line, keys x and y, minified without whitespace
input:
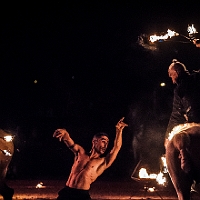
{"x":117,"y":143}
{"x":64,"y":136}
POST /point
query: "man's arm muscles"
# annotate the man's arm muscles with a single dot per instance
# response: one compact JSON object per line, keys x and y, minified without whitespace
{"x":111,"y":156}
{"x":109,"y":159}
{"x":64,"y":136}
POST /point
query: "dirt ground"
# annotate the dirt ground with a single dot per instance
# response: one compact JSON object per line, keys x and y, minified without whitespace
{"x":100,"y":190}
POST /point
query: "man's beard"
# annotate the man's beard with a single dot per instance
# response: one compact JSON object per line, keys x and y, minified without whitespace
{"x":100,"y":151}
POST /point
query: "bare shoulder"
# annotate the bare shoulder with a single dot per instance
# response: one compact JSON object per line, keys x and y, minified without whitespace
{"x":77,"y":149}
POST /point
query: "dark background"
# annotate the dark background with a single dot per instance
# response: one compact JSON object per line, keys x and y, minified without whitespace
{"x":91,"y":70}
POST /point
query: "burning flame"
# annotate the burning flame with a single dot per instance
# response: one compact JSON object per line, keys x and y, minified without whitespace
{"x":158,"y":177}
{"x":143,"y":173}
{"x":164,"y":164}
{"x":40,"y":185}
{"x":161,"y":179}
{"x":180,"y":128}
{"x":191,"y":30}
{"x":150,"y":189}
{"x":6,"y":152}
{"x":169,"y":34}
{"x":8,"y":138}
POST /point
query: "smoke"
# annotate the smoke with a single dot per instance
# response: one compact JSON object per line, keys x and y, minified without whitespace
{"x":147,"y":130}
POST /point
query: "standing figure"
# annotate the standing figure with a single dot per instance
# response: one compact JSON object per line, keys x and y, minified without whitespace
{"x":186,"y":103}
{"x":6,"y":153}
{"x":88,"y":166}
{"x":188,"y":133}
{"x":186,"y":110}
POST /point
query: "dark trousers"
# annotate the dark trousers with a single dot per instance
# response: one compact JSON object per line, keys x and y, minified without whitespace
{"x":68,"y":193}
{"x":6,"y":191}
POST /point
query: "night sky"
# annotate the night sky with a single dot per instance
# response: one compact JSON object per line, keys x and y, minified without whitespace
{"x":91,"y":70}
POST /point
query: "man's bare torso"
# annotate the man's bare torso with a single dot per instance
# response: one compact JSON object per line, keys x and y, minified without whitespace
{"x":85,"y":170}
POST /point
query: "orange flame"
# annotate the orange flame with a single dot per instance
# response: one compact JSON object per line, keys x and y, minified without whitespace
{"x":169,"y":34}
{"x":181,"y":128}
{"x":191,"y":30}
{"x":158,"y":177}
{"x":8,"y":138}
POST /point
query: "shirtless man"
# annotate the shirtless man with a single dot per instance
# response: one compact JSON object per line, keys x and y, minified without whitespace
{"x":88,"y":166}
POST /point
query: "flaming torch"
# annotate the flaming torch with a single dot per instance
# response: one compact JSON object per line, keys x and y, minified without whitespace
{"x":148,"y":42}
{"x":191,"y":31}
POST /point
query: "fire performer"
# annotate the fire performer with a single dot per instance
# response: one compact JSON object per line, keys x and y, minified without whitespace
{"x":186,"y":104}
{"x":88,"y":166}
{"x":6,"y":154}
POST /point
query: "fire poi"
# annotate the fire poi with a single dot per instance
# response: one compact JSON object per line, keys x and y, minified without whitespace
{"x":185,"y":134}
{"x":148,"y":41}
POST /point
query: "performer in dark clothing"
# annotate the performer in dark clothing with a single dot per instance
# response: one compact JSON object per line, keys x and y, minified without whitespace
{"x":6,"y":154}
{"x":186,"y":102}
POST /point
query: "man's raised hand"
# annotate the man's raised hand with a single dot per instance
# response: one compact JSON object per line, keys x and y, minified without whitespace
{"x":120,"y":125}
{"x":61,"y":134}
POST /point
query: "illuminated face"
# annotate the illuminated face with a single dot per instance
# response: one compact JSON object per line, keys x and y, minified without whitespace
{"x":173,"y":74}
{"x":101,"y":144}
